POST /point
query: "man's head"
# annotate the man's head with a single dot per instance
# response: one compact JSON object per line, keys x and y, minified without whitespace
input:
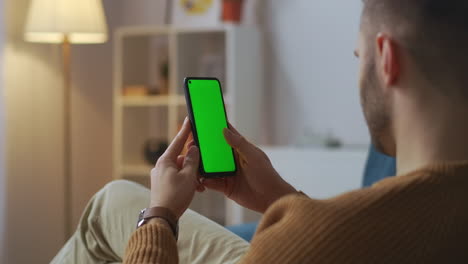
{"x":411,"y":48}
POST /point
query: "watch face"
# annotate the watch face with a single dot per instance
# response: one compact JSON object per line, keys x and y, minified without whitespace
{"x":140,"y":218}
{"x":142,"y":212}
{"x":140,"y":222}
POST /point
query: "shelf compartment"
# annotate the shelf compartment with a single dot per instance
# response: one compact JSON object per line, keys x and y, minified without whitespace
{"x":145,"y":62}
{"x":141,"y":124}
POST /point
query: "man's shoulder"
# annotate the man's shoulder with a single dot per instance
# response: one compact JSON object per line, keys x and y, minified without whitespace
{"x":396,"y":214}
{"x":393,"y":196}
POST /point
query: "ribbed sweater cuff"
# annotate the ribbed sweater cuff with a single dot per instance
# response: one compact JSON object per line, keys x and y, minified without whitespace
{"x":152,"y":243}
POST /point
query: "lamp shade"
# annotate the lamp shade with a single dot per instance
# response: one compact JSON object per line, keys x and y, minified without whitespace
{"x":78,"y":21}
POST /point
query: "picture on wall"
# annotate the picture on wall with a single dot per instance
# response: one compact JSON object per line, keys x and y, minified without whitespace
{"x":196,"y":13}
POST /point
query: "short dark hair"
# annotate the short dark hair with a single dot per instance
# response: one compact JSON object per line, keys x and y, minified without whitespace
{"x":435,"y":32}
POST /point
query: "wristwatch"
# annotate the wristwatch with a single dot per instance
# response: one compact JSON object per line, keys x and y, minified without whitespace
{"x":159,"y":212}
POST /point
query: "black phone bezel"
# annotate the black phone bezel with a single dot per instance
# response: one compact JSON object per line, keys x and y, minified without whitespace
{"x":194,"y":128}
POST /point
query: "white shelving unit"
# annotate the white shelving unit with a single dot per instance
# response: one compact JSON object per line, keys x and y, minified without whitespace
{"x":139,"y":51}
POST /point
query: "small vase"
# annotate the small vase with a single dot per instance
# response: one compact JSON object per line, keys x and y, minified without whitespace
{"x":232,"y":10}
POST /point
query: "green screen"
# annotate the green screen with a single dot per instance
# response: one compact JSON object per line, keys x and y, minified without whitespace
{"x":210,"y":120}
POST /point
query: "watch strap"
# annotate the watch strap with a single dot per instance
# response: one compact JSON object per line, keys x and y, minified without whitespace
{"x":164,"y":213}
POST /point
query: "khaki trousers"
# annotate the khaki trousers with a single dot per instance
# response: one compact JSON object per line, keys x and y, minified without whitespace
{"x":110,"y":219}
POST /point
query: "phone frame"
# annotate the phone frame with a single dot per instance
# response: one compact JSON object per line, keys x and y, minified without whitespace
{"x":195,"y":133}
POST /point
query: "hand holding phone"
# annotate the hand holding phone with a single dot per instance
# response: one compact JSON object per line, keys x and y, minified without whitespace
{"x":257,"y":185}
{"x":207,"y":114}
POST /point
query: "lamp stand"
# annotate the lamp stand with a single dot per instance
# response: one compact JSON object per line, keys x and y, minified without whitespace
{"x":66,"y":51}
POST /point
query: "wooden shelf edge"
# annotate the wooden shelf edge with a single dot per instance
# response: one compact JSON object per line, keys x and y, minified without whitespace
{"x":157,"y":100}
{"x":139,"y":170}
{"x":166,"y":30}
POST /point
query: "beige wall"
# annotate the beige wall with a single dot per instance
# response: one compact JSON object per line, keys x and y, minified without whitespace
{"x":2,"y":141}
{"x":34,"y":97}
{"x":33,"y":90}
{"x":34,"y":224}
{"x":92,"y":100}
{"x":92,"y":117}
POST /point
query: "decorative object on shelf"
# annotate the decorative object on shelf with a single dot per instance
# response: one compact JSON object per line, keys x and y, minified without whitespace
{"x":333,"y":142}
{"x":232,"y":10}
{"x":153,"y":90}
{"x":164,"y":78}
{"x":153,"y":150}
{"x":196,"y":13}
{"x":66,"y":23}
{"x":311,"y":138}
{"x":136,"y":90}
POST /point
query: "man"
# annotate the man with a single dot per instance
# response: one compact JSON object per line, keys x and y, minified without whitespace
{"x":414,"y":93}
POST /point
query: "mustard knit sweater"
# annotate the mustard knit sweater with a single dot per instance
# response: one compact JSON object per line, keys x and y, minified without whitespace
{"x":421,"y":217}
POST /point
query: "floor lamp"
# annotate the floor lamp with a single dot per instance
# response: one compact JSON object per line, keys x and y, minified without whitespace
{"x":66,"y":22}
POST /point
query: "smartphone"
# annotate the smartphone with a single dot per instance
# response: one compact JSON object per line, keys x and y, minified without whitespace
{"x":207,"y":114}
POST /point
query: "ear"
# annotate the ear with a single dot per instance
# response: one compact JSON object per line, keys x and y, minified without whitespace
{"x":389,"y":60}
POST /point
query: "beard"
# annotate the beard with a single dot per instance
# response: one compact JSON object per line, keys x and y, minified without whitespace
{"x":376,"y":110}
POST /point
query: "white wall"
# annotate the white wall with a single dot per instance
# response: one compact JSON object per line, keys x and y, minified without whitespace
{"x":311,"y":70}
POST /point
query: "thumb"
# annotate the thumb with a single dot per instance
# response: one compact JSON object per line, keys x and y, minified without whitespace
{"x":192,"y":161}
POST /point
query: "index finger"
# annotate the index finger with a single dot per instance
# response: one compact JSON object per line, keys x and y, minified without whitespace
{"x":178,"y":143}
